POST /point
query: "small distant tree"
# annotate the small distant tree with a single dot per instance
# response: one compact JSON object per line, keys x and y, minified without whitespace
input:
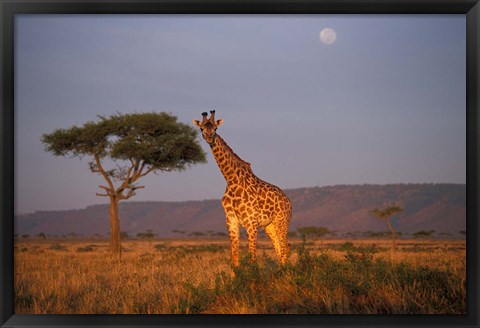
{"x":423,"y":234}
{"x":313,"y":232}
{"x":378,"y":234}
{"x":42,"y":235}
{"x":386,"y":214}
{"x":25,"y":236}
{"x":124,"y":235}
{"x":138,"y":144}
{"x":148,"y":235}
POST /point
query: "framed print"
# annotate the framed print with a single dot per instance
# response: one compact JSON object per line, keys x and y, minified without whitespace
{"x":223,"y":163}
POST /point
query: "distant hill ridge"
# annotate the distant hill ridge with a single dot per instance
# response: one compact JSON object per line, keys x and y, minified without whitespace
{"x":341,"y":208}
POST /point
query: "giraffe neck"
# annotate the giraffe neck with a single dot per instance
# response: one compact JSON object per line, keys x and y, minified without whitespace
{"x":233,"y":168}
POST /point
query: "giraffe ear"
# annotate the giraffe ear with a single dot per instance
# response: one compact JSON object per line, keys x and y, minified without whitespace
{"x":197,"y":123}
{"x":219,"y":122}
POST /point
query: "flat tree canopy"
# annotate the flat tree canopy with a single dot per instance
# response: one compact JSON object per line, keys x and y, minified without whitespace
{"x":154,"y":141}
{"x":140,"y":142}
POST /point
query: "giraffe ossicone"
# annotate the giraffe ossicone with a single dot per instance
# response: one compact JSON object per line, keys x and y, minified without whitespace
{"x":248,"y":201}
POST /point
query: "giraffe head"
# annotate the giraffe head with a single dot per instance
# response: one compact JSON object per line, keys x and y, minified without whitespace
{"x":208,"y":127}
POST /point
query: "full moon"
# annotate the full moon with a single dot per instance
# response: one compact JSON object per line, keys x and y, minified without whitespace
{"x":328,"y":35}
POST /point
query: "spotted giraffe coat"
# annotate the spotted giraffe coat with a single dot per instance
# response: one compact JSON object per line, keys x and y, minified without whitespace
{"x":249,"y":201}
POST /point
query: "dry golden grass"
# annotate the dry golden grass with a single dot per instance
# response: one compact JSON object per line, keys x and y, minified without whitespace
{"x":194,"y":276}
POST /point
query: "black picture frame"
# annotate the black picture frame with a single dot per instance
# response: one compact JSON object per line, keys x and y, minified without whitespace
{"x":10,"y":8}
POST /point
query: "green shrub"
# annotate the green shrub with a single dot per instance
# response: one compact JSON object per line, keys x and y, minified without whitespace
{"x":58,"y":247}
{"x":88,"y":248}
{"x":320,"y":284}
{"x":198,"y":299}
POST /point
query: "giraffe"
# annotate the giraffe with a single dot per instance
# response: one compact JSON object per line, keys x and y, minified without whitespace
{"x":248,"y":201}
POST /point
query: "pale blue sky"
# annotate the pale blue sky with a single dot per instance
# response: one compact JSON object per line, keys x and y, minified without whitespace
{"x":383,"y":104}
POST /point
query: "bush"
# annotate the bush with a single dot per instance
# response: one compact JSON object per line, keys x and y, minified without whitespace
{"x":58,"y":247}
{"x":321,"y":284}
{"x":350,"y":247}
{"x":313,"y":232}
{"x":198,"y":299}
{"x":88,"y":248}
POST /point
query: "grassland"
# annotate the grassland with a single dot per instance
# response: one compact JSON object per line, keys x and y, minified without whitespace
{"x":194,"y":276}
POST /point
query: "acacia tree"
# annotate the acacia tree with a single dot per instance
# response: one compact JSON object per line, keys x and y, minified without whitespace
{"x":136,"y":145}
{"x":386,"y":215}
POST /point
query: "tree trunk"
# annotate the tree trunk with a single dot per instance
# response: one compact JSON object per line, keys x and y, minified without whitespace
{"x":115,"y":245}
{"x":394,"y":234}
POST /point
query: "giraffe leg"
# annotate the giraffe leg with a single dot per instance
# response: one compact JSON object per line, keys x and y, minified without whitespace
{"x":284,"y":247}
{"x":234,"y":233}
{"x":252,"y":232}
{"x":281,"y":223}
{"x":270,"y":230}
